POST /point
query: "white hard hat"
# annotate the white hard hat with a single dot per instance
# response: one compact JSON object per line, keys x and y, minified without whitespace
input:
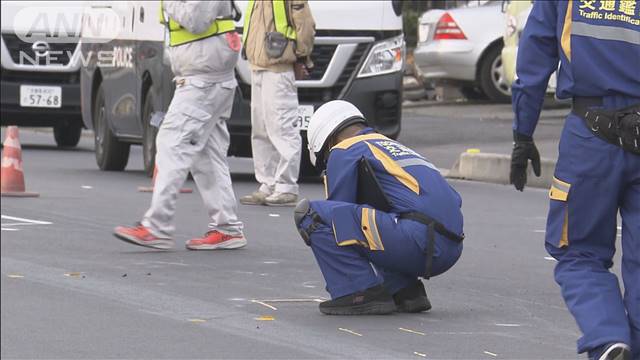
{"x":326,"y":120}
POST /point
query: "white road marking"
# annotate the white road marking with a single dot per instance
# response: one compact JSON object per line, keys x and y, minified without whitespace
{"x":508,"y":325}
{"x":549,"y":258}
{"x":419,"y":354}
{"x":274,"y":215}
{"x":23,"y":220}
{"x":271,"y":262}
{"x":412,"y":331}
{"x":491,"y":354}
{"x":86,"y":187}
{"x":8,"y":229}
{"x":264,"y":304}
{"x":350,"y":331}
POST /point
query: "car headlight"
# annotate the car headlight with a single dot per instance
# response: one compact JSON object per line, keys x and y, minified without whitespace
{"x":385,"y":57}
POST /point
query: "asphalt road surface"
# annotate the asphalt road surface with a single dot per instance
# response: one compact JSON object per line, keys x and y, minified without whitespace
{"x":71,"y":290}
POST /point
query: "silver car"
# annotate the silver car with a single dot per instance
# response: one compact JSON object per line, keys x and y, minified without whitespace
{"x":463,"y":46}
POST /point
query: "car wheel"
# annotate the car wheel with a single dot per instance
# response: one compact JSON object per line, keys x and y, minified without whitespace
{"x":149,"y":133}
{"x":492,"y":80}
{"x":67,"y":134}
{"x":111,"y":154}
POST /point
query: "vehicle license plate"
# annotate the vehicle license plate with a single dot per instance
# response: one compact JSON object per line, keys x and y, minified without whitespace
{"x":304,"y":116}
{"x":40,"y":96}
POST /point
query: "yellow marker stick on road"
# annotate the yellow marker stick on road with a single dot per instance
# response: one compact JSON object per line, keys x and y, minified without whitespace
{"x":196,"y":320}
{"x":73,"y":274}
{"x":265,"y":318}
{"x":473,"y":151}
{"x":15,"y":276}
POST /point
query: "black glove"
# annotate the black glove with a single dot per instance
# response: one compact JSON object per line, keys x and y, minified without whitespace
{"x":523,"y":150}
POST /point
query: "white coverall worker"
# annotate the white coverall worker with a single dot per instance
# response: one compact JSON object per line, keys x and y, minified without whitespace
{"x":193,"y":136}
{"x":275,"y":140}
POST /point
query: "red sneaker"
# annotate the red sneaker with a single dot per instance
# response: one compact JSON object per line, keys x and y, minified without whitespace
{"x":216,"y":240}
{"x":140,"y":235}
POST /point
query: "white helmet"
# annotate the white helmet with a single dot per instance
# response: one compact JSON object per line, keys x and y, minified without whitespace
{"x":329,"y":118}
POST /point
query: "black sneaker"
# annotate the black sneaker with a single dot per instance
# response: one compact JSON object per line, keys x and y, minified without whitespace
{"x":372,"y":301}
{"x":611,"y":351}
{"x":412,"y":299}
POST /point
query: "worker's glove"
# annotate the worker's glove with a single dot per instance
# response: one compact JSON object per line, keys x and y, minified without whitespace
{"x":524,"y":150}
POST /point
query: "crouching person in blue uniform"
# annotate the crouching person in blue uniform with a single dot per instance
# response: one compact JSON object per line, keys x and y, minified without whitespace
{"x":597,"y":174}
{"x":389,"y":218}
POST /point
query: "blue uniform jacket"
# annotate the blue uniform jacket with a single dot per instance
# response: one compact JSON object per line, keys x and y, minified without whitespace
{"x":596,"y":42}
{"x":408,"y":179}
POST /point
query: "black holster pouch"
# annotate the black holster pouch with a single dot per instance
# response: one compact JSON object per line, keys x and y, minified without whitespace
{"x":371,"y":193}
{"x":619,"y":127}
{"x":433,"y":226}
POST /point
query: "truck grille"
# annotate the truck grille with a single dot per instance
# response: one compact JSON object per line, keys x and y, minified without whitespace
{"x":315,"y":95}
{"x":321,"y":56}
{"x":59,"y":53}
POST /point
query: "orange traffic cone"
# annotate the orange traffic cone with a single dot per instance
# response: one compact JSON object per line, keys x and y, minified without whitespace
{"x":153,"y":182}
{"x":12,"y":176}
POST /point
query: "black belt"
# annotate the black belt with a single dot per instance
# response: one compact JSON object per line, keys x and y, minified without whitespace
{"x":619,"y":127}
{"x":433,"y":226}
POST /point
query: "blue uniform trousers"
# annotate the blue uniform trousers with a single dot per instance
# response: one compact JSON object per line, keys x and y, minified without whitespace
{"x":599,"y":179}
{"x":351,"y":268}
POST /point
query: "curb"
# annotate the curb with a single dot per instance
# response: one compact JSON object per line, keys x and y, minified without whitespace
{"x":495,"y":168}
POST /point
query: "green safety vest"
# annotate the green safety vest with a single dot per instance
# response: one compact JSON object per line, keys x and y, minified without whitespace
{"x":179,"y":35}
{"x":279,"y":17}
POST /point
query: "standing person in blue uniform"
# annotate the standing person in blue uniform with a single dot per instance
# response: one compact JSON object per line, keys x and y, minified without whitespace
{"x":598,"y":171}
{"x":389,"y":218}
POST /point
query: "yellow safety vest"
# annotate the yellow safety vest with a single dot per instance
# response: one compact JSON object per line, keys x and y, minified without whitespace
{"x":179,"y":35}
{"x":279,"y":17}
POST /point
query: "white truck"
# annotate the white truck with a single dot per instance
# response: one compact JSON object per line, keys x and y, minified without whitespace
{"x":359,"y":56}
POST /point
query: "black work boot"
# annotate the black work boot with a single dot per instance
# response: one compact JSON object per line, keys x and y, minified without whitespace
{"x":372,"y":301}
{"x":611,"y":351}
{"x":412,"y":299}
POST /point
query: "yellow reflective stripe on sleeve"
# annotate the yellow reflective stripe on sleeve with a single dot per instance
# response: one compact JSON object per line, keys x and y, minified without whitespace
{"x":559,"y":190}
{"x":396,"y":170}
{"x":370,"y":229}
{"x":565,"y":40}
{"x":564,"y":240}
{"x":345,"y":144}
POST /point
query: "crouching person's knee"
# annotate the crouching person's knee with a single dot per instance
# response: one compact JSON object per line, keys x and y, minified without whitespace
{"x":307,"y":220}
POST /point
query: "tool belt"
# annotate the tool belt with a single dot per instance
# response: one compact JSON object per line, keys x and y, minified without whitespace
{"x":619,"y":127}
{"x":433,"y":226}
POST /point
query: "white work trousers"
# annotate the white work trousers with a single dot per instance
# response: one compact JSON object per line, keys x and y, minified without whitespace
{"x":275,"y":141}
{"x":194,"y":138}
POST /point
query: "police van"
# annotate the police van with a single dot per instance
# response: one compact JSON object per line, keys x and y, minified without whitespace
{"x":126,"y":79}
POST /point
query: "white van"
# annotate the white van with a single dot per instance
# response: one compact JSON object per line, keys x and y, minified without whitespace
{"x":358,"y":55}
